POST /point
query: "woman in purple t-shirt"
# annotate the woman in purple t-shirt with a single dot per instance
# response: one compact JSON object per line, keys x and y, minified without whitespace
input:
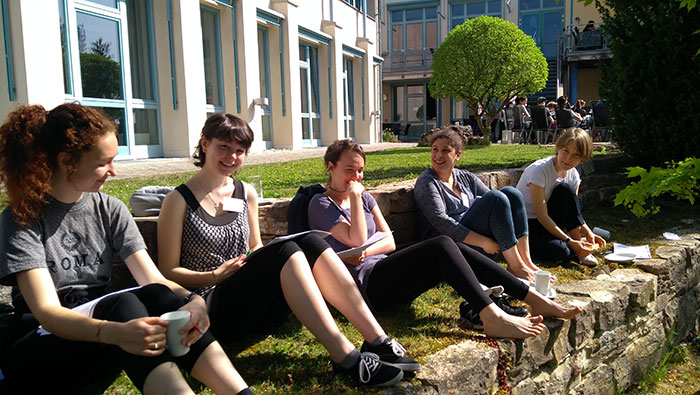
{"x":352,"y":216}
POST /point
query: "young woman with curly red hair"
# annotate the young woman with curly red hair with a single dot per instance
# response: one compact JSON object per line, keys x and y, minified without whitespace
{"x":60,"y":235}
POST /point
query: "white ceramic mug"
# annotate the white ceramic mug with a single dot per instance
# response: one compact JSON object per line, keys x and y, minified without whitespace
{"x":177,"y":320}
{"x":542,"y":278}
{"x":604,"y":233}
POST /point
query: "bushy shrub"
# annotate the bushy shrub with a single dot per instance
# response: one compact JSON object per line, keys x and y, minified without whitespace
{"x":651,"y":83}
{"x":388,"y":135}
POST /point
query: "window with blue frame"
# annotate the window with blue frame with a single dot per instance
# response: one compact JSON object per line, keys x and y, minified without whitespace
{"x":348,"y":98}
{"x":462,"y":11}
{"x":265,"y":86}
{"x":413,"y":36}
{"x":310,"y":99}
{"x":211,"y":44}
{"x":356,"y":3}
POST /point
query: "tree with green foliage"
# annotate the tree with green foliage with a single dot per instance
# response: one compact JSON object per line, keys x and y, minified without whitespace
{"x":651,"y":83}
{"x":487,"y":61}
{"x":101,"y":76}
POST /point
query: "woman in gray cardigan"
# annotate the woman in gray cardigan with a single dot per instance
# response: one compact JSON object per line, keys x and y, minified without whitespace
{"x":456,"y":203}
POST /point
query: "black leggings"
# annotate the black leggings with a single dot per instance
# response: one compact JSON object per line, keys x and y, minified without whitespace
{"x":404,"y":275}
{"x":564,"y":208}
{"x":251,"y":300}
{"x":50,"y":364}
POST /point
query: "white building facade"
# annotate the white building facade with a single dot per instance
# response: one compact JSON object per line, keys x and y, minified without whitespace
{"x":303,"y":73}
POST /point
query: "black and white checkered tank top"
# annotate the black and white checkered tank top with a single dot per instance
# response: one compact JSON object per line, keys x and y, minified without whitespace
{"x":209,"y":241}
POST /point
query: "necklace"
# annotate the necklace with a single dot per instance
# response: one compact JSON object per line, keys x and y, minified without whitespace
{"x":335,"y":190}
{"x":216,"y":204}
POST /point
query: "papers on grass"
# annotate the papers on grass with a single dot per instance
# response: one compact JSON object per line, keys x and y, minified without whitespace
{"x":279,"y":239}
{"x":358,"y":250}
{"x":639,"y":252}
{"x":671,"y":236}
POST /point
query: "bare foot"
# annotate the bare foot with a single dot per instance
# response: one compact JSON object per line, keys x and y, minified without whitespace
{"x":549,"y":308}
{"x":522,"y":272}
{"x":499,"y":324}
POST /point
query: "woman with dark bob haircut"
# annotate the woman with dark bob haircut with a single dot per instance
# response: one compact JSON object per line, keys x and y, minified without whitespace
{"x":456,"y":203}
{"x":60,"y":236}
{"x":388,"y":278}
{"x":209,"y":223}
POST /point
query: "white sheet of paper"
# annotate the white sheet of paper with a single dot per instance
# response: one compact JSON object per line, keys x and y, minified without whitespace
{"x":317,"y":232}
{"x":86,"y":309}
{"x":358,"y":250}
{"x":640,"y":252}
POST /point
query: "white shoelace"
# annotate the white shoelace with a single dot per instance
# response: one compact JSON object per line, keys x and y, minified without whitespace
{"x":397,"y":348}
{"x":369,"y":363}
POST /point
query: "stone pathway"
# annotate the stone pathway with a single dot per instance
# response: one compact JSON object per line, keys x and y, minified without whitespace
{"x":147,"y":167}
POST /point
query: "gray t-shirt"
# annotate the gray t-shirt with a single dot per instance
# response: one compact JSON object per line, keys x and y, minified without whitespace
{"x":324,"y":214}
{"x":77,"y":242}
{"x":542,"y":173}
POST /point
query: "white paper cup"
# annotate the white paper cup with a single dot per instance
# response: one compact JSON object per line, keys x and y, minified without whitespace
{"x":604,"y":233}
{"x":542,"y":278}
{"x":177,"y":320}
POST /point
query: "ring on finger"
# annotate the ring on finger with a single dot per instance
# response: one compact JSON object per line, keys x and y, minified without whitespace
{"x":155,"y":346}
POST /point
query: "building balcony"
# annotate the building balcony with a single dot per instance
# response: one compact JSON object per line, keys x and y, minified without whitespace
{"x":402,"y":61}
{"x":586,"y":42}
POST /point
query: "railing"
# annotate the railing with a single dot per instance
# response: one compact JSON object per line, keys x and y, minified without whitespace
{"x":421,"y":59}
{"x":586,"y":39}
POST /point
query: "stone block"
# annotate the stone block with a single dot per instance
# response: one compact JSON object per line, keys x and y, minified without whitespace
{"x":465,"y":368}
{"x":597,"y":382}
{"x":555,"y":382}
{"x":273,"y":217}
{"x":405,"y":228}
{"x":609,"y":344}
{"x":405,"y":388}
{"x":642,"y":286}
{"x":610,"y":299}
{"x":661,"y":269}
{"x":526,"y":387}
{"x":643,"y":351}
{"x":582,"y":326}
{"x":148,"y":229}
{"x":527,"y":355}
{"x":504,"y":178}
{"x":395,"y":197}
{"x":686,"y":315}
{"x":558,"y":340}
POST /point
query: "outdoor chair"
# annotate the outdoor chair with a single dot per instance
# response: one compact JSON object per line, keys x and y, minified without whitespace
{"x":404,"y":133}
{"x":540,"y":125}
{"x":518,"y":125}
{"x":601,"y":120}
{"x":564,"y":121}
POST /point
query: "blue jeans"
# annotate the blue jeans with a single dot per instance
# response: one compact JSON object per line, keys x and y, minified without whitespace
{"x":499,"y":215}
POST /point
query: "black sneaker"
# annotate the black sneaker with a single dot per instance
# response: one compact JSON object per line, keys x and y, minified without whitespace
{"x":468,"y":318}
{"x":392,"y":353}
{"x":502,"y":303}
{"x":371,"y":372}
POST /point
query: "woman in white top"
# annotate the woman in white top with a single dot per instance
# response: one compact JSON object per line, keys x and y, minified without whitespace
{"x":550,"y":190}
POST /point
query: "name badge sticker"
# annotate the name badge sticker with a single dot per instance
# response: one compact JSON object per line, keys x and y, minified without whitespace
{"x":232,"y":204}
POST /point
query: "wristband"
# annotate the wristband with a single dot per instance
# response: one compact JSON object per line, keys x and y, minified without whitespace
{"x":99,"y":328}
{"x":567,"y":240}
{"x":189,"y":297}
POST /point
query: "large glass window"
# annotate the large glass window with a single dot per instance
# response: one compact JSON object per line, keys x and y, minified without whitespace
{"x":460,"y":12}
{"x":414,"y":108}
{"x":264,"y":70}
{"x":414,"y":35}
{"x":348,"y":99}
{"x":310,"y":111}
{"x":543,"y":21}
{"x":213,"y":79}
{"x":100,"y":56}
{"x":109,"y":64}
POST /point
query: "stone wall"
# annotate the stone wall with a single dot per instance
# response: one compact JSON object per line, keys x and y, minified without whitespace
{"x":630,"y":317}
